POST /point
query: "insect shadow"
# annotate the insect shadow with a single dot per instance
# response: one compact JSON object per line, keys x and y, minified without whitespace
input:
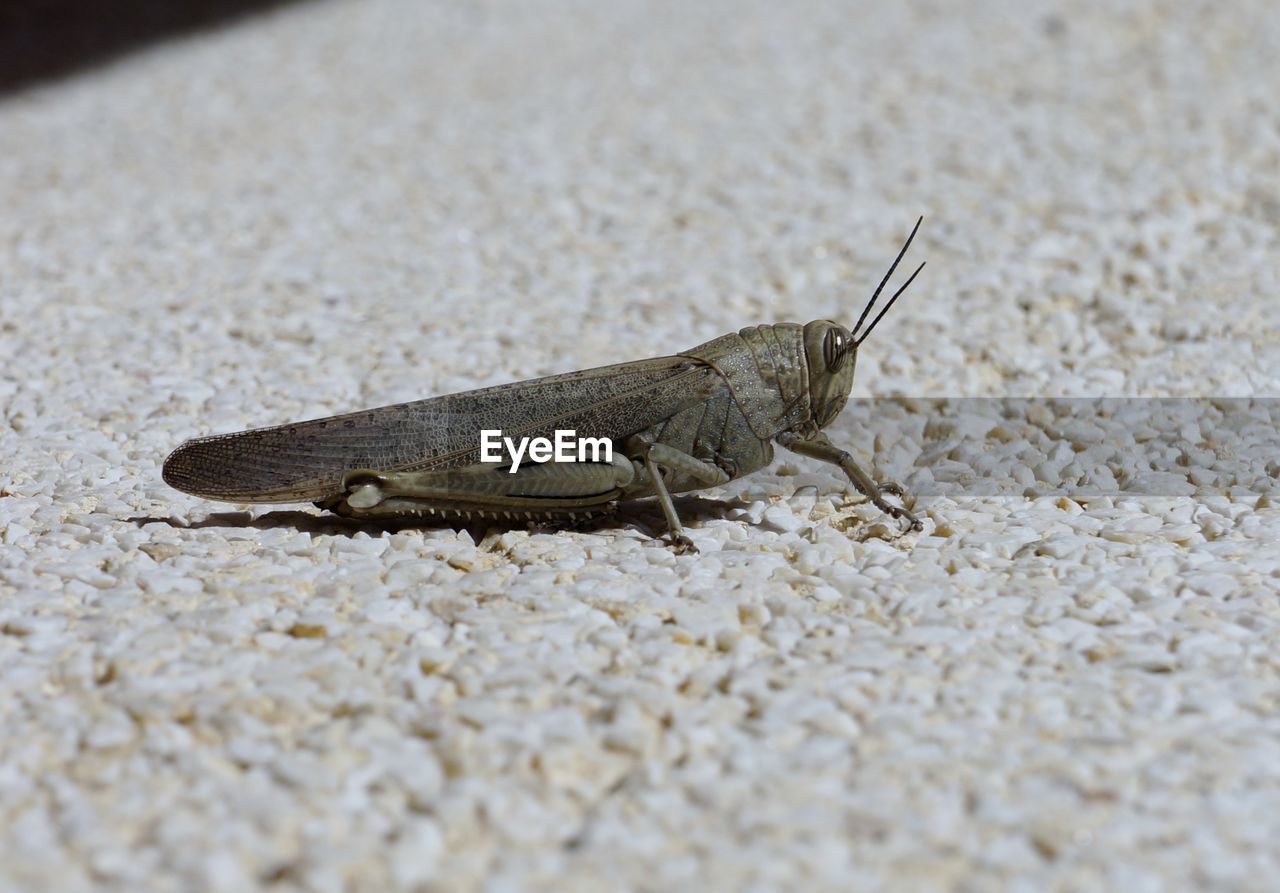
{"x":646,"y":517}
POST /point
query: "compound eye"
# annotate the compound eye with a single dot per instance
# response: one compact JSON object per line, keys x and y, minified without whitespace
{"x":835,"y":347}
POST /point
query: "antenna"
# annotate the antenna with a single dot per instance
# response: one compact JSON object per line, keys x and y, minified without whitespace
{"x":875,"y":322}
{"x":883,"y":283}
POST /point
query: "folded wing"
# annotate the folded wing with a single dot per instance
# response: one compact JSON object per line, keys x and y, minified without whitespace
{"x":305,"y":461}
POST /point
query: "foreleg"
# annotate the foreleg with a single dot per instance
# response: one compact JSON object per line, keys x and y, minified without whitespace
{"x":824,"y":450}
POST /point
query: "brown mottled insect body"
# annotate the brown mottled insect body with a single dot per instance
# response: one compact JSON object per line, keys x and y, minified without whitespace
{"x":699,"y":418}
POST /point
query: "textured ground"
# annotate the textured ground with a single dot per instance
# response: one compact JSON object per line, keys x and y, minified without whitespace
{"x":348,"y":204}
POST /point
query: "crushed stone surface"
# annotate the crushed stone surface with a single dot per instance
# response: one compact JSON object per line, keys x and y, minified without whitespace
{"x":1069,"y":680}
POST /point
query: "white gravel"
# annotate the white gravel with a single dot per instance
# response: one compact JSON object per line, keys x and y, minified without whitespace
{"x":1068,"y":681}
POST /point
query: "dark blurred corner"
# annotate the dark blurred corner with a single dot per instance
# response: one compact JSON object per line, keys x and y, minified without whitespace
{"x":42,"y":40}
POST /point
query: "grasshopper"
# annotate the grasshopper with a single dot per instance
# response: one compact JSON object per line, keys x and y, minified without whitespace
{"x":697,"y":419}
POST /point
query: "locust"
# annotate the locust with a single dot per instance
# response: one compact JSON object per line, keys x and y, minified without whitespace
{"x":696,"y":419}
